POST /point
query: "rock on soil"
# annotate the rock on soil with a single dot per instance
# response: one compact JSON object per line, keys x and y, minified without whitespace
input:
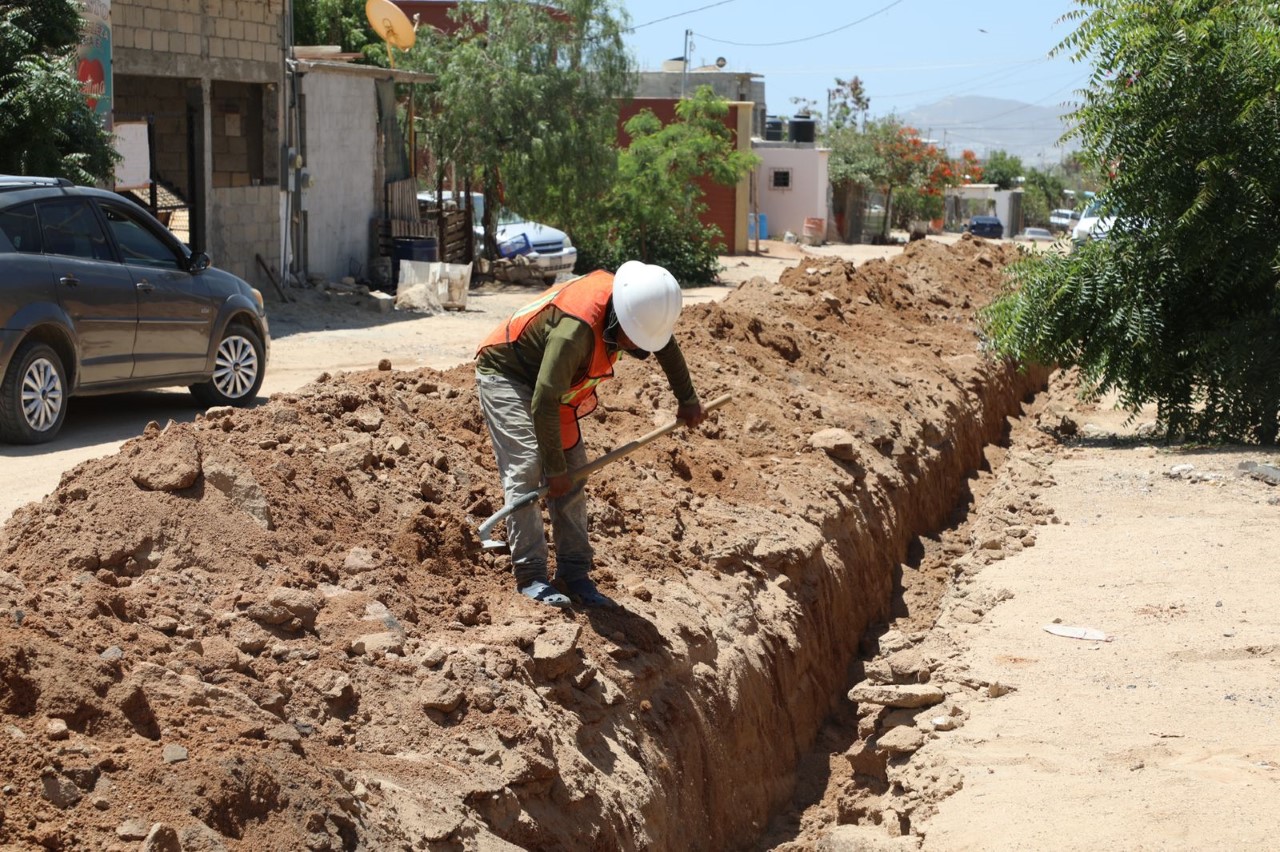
{"x":276,"y":629}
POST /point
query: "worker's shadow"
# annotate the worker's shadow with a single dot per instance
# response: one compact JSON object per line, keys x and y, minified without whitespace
{"x":629,"y":631}
{"x":641,"y":653}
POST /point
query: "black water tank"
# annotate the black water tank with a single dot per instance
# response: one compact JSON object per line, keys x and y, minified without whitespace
{"x":411,"y":248}
{"x":773,"y":129}
{"x":802,"y":129}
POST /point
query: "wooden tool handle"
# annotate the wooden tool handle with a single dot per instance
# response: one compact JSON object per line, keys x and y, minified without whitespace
{"x":631,"y":446}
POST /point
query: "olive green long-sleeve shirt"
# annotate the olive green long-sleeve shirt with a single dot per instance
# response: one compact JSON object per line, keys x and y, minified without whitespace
{"x":554,"y":353}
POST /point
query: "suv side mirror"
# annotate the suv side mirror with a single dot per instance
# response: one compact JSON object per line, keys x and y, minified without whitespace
{"x":198,"y":262}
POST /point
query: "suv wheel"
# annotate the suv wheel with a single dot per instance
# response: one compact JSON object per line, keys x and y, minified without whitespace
{"x":237,"y":369}
{"x":33,"y":396}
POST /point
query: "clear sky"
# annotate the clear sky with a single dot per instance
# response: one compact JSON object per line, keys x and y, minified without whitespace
{"x":907,"y":52}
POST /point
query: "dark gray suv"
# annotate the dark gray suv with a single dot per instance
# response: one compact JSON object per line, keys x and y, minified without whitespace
{"x":98,"y":297}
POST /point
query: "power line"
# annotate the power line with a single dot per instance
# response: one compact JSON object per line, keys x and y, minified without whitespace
{"x":934,"y":66}
{"x":806,"y":38}
{"x":988,"y":78}
{"x":676,"y":15}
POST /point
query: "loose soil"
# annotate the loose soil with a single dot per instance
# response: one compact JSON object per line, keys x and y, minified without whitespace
{"x":275,"y":628}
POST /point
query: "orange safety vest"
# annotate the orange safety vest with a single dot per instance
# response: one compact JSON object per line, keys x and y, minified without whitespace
{"x":585,"y":299}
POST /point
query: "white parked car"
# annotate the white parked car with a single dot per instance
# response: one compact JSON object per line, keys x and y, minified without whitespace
{"x":1092,"y":226}
{"x":549,"y":250}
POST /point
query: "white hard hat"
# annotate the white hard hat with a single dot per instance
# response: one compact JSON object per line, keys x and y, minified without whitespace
{"x":647,"y":300}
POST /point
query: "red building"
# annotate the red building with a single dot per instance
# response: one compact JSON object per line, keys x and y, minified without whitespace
{"x":727,"y":206}
{"x":435,"y":13}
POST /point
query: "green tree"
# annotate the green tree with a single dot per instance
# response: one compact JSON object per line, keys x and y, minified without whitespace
{"x":652,"y":212}
{"x":1003,"y":169}
{"x":846,"y":103}
{"x":853,"y":167}
{"x":340,"y":22}
{"x":525,"y":104}
{"x":46,"y":127}
{"x":1042,"y":192}
{"x":1179,"y":305}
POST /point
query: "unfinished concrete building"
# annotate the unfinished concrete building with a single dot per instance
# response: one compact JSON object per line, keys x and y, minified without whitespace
{"x":207,"y":76}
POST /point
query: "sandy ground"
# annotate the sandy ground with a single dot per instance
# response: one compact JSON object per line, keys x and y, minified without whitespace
{"x":1164,"y":735}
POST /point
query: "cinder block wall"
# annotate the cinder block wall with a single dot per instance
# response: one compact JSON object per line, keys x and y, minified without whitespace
{"x":233,"y":48}
{"x":226,"y":33}
{"x":247,"y":223}
{"x":244,"y":30}
{"x":164,"y":100}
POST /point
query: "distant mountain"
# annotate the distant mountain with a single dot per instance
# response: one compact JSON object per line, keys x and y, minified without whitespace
{"x":983,"y":125}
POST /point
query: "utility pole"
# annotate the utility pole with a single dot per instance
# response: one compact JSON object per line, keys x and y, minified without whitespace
{"x":684,"y":69}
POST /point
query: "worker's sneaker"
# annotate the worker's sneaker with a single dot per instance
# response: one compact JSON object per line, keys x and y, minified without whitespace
{"x":583,"y":592}
{"x":541,"y":592}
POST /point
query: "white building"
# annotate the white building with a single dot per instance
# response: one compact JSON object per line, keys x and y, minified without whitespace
{"x":792,"y":185}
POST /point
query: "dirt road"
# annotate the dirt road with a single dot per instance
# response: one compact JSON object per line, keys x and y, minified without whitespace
{"x":1166,"y":735}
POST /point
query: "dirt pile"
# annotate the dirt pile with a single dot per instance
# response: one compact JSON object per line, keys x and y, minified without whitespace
{"x":275,"y":629}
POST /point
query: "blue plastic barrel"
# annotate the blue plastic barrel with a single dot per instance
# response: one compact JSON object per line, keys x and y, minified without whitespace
{"x":751,"y":226}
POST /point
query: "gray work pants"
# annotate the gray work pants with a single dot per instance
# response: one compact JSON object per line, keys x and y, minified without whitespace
{"x":507,"y":405}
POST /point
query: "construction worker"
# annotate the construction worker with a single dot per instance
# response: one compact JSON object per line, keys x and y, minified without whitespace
{"x":536,"y":375}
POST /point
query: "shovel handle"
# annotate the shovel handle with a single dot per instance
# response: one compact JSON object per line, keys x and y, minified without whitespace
{"x":631,"y":446}
{"x":586,"y":470}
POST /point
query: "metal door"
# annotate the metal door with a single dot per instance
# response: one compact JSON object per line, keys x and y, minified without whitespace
{"x":175,"y":311}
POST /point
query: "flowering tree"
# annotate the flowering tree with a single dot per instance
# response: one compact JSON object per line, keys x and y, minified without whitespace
{"x":888,"y":156}
{"x":925,"y":170}
{"x":906,"y":158}
{"x":945,"y":174}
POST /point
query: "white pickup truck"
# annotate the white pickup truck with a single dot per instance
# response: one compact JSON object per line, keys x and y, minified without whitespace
{"x":1063,"y":219}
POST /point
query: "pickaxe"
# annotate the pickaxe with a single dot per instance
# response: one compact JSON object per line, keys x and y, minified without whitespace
{"x":486,"y":528}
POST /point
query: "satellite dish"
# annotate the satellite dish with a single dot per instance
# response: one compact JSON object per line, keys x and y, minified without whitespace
{"x":391,"y":25}
{"x":721,"y":62}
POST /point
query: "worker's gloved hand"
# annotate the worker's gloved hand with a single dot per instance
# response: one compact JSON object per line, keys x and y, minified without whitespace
{"x":558,"y":486}
{"x":691,"y":414}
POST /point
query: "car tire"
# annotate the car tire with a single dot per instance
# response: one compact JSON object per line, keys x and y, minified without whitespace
{"x":239,"y":365}
{"x":33,"y":395}
{"x":549,"y":280}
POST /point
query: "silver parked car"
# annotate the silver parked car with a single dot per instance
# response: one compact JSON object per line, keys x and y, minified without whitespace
{"x":1036,"y":235}
{"x":98,"y":297}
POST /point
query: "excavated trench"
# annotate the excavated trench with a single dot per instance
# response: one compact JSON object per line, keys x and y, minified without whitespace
{"x":276,"y":628}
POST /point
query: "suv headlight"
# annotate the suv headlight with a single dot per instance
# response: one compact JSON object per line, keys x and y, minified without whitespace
{"x":568,"y":243}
